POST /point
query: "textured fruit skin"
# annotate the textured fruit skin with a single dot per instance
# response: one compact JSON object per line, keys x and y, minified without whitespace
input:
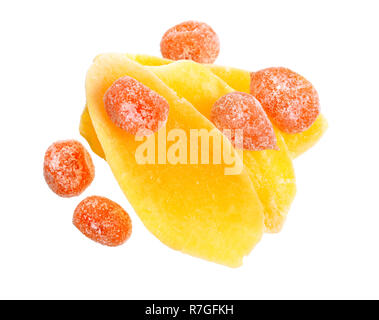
{"x":195,"y":209}
{"x":239,"y":110}
{"x":134,"y":107}
{"x":68,"y":168}
{"x":103,"y":221}
{"x":290,"y":100}
{"x":191,"y":40}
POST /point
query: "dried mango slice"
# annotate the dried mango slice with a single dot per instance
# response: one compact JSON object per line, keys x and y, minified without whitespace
{"x":196,"y":209}
{"x":271,"y":171}
{"x":238,"y":79}
{"x":87,"y":130}
{"x":147,"y":60}
{"x":300,"y":142}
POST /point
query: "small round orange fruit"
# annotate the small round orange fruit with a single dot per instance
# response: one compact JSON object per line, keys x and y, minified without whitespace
{"x":290,"y":100}
{"x":241,"y":111}
{"x":134,"y":107}
{"x":191,"y":40}
{"x":103,"y":221}
{"x":68,"y":168}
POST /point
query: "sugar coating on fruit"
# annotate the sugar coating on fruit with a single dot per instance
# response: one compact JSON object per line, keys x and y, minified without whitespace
{"x":239,"y":110}
{"x":103,"y":221}
{"x":191,"y":40}
{"x":289,"y":99}
{"x":68,"y":168}
{"x":134,"y":107}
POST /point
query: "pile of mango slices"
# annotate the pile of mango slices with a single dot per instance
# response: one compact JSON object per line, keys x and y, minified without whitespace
{"x":196,"y":209}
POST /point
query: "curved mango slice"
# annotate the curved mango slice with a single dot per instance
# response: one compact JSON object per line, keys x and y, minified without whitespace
{"x":87,"y":130}
{"x":238,"y":79}
{"x":300,"y":142}
{"x":196,"y":209}
{"x":270,"y":170}
{"x":147,"y":60}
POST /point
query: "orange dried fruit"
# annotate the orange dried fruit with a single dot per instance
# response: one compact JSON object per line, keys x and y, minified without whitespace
{"x":191,"y":40}
{"x":68,"y":168}
{"x":103,"y":221}
{"x":241,"y":111}
{"x":290,"y":100}
{"x":134,"y":107}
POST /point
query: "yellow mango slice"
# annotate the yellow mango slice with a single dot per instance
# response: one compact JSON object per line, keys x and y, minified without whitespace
{"x":299,"y":143}
{"x":87,"y":130}
{"x":196,"y":209}
{"x":147,"y":60}
{"x":270,"y":170}
{"x":238,"y":79}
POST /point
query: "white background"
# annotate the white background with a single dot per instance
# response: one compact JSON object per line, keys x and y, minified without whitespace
{"x":329,"y":245}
